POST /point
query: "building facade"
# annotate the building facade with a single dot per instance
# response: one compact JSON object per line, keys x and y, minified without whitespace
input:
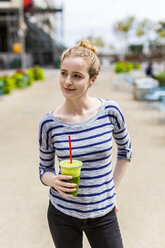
{"x":32,"y":24}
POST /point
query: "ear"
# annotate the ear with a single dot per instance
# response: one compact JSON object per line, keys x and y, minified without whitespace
{"x":92,"y":81}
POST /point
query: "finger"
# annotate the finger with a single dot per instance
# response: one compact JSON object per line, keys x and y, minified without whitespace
{"x":69,"y":185}
{"x":65,"y":194}
{"x":66,"y":189}
{"x":60,"y":183}
{"x":64,"y":177}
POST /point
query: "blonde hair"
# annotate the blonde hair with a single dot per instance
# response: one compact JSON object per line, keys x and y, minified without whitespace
{"x":86,"y":51}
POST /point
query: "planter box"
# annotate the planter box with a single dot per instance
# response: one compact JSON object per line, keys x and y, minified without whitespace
{"x":22,"y":82}
{"x":1,"y":87}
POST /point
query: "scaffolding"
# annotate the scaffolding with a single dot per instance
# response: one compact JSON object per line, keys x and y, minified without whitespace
{"x":37,"y":43}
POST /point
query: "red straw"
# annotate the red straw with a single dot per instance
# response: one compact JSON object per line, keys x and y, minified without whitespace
{"x":70,"y":149}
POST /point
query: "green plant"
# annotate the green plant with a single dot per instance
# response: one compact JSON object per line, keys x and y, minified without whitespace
{"x":8,"y":84}
{"x":119,"y":67}
{"x":38,"y":73}
{"x":30,"y":74}
{"x":1,"y":87}
{"x":123,"y":67}
{"x":20,"y":80}
{"x":137,"y":66}
{"x":128,"y":66}
{"x":161,"y":78}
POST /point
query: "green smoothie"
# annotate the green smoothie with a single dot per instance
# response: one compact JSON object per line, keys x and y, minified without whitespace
{"x":73,"y":170}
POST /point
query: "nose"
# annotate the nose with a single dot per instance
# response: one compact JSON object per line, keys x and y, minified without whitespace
{"x":68,"y":81}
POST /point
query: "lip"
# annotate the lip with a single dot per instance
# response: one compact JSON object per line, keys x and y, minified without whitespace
{"x":67,"y":89}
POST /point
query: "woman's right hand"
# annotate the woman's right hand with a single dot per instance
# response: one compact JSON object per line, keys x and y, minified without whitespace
{"x":63,"y":187}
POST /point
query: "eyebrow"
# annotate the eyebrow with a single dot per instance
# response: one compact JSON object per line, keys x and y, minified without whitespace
{"x":72,"y":72}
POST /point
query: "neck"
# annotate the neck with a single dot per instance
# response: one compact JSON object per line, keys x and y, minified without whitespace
{"x":77,"y":106}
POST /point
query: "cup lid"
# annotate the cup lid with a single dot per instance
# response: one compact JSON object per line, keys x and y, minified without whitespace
{"x":68,"y":165}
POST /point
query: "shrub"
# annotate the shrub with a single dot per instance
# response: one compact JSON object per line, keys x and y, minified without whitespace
{"x":137,"y":66}
{"x":38,"y":73}
{"x":123,"y":67}
{"x":161,"y":78}
{"x":8,"y":84}
{"x":1,"y":87}
{"x":119,"y":67}
{"x":20,"y":80}
{"x":128,"y":66}
{"x":30,"y":74}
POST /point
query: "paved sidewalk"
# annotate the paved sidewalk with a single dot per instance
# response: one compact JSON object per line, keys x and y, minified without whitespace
{"x":141,"y":196}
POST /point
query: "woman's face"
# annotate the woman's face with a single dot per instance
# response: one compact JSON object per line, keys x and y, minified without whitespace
{"x":74,"y":77}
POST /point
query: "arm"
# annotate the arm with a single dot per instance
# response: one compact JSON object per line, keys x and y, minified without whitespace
{"x":57,"y":182}
{"x":123,"y":142}
{"x":47,"y":160}
{"x":119,"y":171}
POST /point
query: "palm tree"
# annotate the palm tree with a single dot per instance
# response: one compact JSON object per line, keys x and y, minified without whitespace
{"x":145,"y":29}
{"x":161,"y":36}
{"x":161,"y":29}
{"x":123,"y":27}
{"x":96,"y":41}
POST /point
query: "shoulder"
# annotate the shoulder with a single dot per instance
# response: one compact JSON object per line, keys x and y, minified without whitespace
{"x":113,"y":108}
{"x":46,"y":121}
{"x":111,"y":105}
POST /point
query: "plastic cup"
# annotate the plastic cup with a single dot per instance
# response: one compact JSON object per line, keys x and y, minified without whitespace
{"x":73,"y":170}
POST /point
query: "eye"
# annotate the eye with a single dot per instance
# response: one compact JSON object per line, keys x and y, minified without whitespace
{"x":63,"y":73}
{"x":76,"y":76}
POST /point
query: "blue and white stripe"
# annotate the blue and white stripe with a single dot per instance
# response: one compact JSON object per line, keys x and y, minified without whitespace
{"x":92,"y":144}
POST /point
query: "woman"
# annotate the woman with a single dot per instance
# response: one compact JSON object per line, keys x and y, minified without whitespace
{"x":91,"y":123}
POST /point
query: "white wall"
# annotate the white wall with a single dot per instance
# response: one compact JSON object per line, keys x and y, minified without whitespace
{"x":10,"y":4}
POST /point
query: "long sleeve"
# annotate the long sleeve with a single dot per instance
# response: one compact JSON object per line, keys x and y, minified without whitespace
{"x":46,"y":150}
{"x":92,"y":144}
{"x":120,"y":132}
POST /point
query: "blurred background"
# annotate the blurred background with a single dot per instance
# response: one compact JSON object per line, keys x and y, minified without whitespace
{"x":36,"y":31}
{"x":130,"y":39}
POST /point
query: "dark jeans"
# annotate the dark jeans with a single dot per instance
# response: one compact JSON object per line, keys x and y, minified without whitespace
{"x":67,"y":231}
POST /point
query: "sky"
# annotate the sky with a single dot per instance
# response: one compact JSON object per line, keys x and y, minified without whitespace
{"x":97,"y":17}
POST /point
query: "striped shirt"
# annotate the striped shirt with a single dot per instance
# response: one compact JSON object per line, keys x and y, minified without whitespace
{"x":92,"y":144}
